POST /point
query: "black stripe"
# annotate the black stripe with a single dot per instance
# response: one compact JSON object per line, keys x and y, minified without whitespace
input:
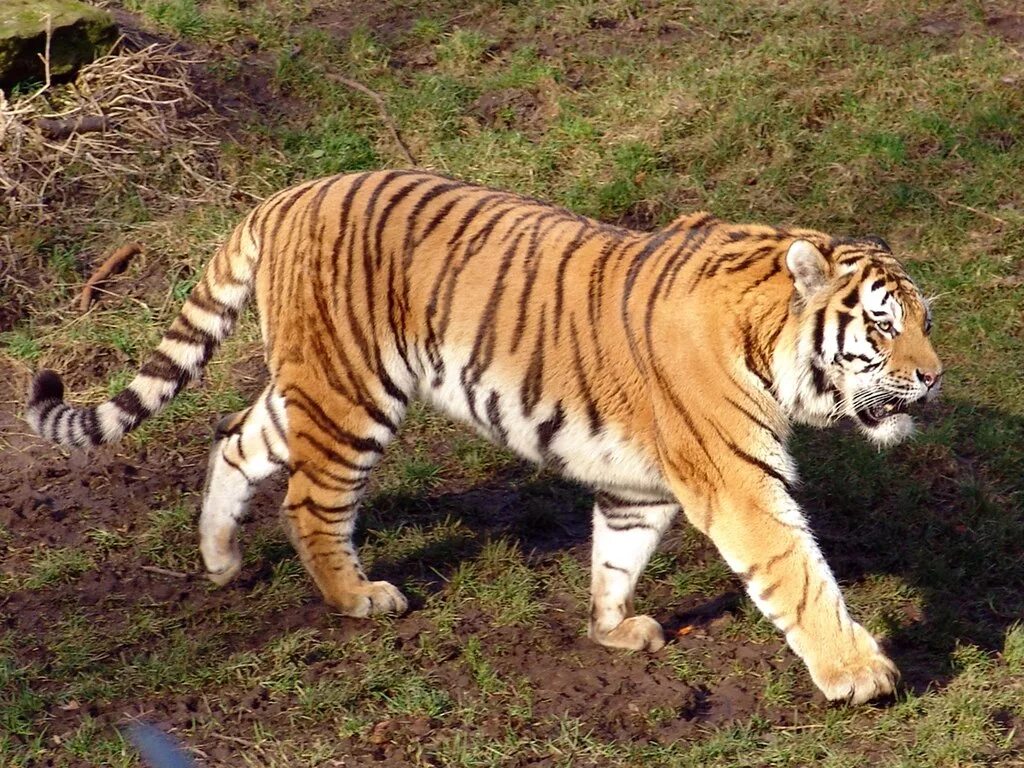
{"x":367,"y":341}
{"x":388,"y":209}
{"x":754,"y":359}
{"x":308,"y":503}
{"x":275,"y":420}
{"x":548,"y":428}
{"x":531,"y":268}
{"x":203,"y":298}
{"x":819,"y":329}
{"x":533,"y":381}
{"x":332,"y":455}
{"x":803,"y":596}
{"x":609,"y":501}
{"x":691,"y":243}
{"x":91,"y":425}
{"x":763,"y":425}
{"x":238,"y":467}
{"x":850,"y":300}
{"x":128,"y":401}
{"x":753,"y":257}
{"x":583,"y":235}
{"x":334,"y":482}
{"x":821,"y":383}
{"x":271,"y":454}
{"x":775,"y":269}
{"x":328,"y":426}
{"x":161,"y":366}
{"x":448,"y":277}
{"x":765,"y":467}
{"x":44,"y":410}
{"x":589,"y":401}
{"x":629,"y":526}
{"x":771,"y":561}
{"x":494,"y":418}
{"x":842,"y":320}
{"x":59,"y":428}
{"x":482,"y":352}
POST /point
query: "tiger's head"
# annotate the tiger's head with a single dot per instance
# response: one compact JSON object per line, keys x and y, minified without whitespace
{"x":862,"y":343}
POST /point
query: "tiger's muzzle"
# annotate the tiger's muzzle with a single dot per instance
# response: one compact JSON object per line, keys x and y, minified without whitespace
{"x":886,"y":418}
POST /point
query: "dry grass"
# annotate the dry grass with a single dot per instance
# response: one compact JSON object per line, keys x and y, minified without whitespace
{"x":150,"y":109}
{"x":158,"y":147}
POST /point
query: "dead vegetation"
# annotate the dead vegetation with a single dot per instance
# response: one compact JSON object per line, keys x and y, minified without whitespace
{"x":129,"y":133}
{"x":128,"y":118}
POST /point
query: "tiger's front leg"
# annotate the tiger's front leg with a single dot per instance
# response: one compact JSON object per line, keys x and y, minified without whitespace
{"x":626,"y":531}
{"x":763,"y":536}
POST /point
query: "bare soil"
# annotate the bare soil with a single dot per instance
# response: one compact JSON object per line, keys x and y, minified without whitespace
{"x":48,"y":499}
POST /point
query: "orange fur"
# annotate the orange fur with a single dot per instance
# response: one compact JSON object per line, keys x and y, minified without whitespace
{"x":663,"y":369}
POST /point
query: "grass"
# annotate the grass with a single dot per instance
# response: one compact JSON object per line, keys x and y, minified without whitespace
{"x":854,"y":118}
{"x":53,"y":566}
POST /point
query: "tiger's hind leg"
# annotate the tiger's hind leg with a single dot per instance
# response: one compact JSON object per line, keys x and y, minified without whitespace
{"x":625,"y":534}
{"x":249,"y":447}
{"x":334,"y":443}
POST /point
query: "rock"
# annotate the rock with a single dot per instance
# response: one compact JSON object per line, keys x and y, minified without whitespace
{"x":79,"y":33}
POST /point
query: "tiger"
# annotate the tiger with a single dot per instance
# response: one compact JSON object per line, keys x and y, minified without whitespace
{"x":663,"y":370}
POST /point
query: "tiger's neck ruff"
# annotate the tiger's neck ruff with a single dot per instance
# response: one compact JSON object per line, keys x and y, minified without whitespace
{"x":661,"y":369}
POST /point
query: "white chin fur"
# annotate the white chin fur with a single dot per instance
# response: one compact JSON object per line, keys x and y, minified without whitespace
{"x":890,"y":431}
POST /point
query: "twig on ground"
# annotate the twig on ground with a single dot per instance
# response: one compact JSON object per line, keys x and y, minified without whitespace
{"x":61,"y":129}
{"x":46,"y":55}
{"x":116,"y":262}
{"x":382,"y":108}
{"x":971,"y":208}
{"x":164,"y":571}
{"x":236,"y":740}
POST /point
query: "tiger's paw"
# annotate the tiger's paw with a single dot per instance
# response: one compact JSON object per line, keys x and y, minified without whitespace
{"x":369,"y":599}
{"x":637,"y":633}
{"x":223,"y":564}
{"x":866,"y":676}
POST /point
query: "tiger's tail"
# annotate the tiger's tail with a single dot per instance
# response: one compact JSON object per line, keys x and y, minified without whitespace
{"x":205,"y":320}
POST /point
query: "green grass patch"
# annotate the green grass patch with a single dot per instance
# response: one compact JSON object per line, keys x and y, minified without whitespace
{"x":905,"y":120}
{"x":53,"y":566}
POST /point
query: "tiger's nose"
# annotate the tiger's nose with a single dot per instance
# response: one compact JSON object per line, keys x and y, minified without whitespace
{"x":929,"y":378}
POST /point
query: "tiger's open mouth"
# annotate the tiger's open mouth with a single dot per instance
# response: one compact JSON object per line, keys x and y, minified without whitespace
{"x":875,"y":414}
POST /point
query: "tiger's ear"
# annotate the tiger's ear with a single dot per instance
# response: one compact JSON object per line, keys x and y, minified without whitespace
{"x":809,"y":268}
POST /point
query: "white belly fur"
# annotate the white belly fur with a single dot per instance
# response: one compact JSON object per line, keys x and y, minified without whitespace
{"x":603,"y":460}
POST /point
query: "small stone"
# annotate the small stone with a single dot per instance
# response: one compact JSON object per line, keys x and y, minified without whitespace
{"x":79,"y":33}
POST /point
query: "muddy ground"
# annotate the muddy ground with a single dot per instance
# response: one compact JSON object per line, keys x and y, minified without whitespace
{"x":51,"y":499}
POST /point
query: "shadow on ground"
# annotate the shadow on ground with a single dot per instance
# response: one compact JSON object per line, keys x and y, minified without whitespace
{"x":930,"y":532}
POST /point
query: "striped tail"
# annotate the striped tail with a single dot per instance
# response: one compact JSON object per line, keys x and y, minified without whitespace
{"x":205,"y":320}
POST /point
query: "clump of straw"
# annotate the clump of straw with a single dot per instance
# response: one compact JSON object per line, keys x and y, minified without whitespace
{"x":130,"y":126}
{"x":129,"y":119}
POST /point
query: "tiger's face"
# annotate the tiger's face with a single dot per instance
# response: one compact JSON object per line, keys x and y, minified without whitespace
{"x":868,"y":328}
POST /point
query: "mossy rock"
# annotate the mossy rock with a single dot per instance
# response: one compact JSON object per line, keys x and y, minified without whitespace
{"x":79,"y":33}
